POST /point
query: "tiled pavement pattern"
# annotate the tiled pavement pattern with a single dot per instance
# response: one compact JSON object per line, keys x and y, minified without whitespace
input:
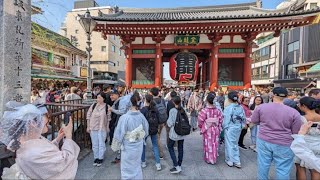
{"x":193,"y":166}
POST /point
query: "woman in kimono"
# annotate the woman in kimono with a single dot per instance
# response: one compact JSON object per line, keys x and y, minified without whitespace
{"x":37,"y":157}
{"x":234,"y":121}
{"x":308,"y":105}
{"x":129,"y":137}
{"x":194,"y":106}
{"x":210,"y":124}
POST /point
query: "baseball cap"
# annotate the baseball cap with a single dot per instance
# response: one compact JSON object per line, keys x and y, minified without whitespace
{"x":233,"y":95}
{"x":114,"y":91}
{"x":280,"y":91}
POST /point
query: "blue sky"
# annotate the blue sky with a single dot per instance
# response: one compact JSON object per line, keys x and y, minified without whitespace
{"x":55,"y":10}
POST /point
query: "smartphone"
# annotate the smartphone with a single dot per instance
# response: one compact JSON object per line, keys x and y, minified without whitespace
{"x":67,"y":118}
{"x":315,"y":125}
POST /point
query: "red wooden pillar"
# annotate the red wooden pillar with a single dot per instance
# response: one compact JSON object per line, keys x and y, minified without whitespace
{"x":204,"y":74}
{"x":158,"y":64}
{"x":215,"y":38}
{"x":247,"y":67}
{"x":247,"y":60}
{"x":214,"y":68}
{"x":129,"y":67}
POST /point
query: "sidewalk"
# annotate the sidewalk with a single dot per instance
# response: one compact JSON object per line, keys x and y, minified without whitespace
{"x":193,"y":166}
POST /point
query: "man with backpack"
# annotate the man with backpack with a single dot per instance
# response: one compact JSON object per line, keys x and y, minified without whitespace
{"x":178,"y":123}
{"x":161,"y":107}
{"x":152,"y":115}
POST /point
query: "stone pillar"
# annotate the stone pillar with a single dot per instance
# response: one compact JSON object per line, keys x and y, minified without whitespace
{"x":129,"y":67}
{"x":158,"y":64}
{"x":15,"y":51}
{"x":247,"y":67}
{"x":214,"y":68}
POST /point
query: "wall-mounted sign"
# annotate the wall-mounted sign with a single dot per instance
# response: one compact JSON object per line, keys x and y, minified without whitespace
{"x":83,"y":72}
{"x":187,"y":40}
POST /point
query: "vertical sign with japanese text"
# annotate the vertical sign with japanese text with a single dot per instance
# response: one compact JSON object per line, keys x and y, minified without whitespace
{"x":15,"y":51}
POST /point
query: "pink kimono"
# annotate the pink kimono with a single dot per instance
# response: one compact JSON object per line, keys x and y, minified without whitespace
{"x":210,"y":122}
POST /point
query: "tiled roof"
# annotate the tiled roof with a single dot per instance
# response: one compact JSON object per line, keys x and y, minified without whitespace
{"x":240,"y":11}
{"x":40,"y":31}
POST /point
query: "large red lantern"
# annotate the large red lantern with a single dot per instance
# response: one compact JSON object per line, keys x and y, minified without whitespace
{"x":184,"y":66}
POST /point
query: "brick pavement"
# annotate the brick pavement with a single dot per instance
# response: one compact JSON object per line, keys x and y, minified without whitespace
{"x":193,"y":166}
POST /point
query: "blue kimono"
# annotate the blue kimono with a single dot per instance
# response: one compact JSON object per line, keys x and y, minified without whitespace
{"x":234,"y":121}
{"x":129,"y":134}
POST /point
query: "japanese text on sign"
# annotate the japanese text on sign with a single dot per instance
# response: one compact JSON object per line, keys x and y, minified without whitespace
{"x":187,"y":40}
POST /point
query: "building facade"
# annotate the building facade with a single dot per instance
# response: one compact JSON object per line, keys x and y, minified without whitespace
{"x":299,"y":54}
{"x":221,"y":37}
{"x":265,"y":61}
{"x":107,"y":56}
{"x":54,"y":58}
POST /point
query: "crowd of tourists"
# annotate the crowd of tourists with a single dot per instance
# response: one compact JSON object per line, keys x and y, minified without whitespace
{"x":284,"y":129}
{"x":130,"y":119}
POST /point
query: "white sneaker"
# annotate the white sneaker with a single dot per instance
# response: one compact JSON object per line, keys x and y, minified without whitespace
{"x":143,"y":164}
{"x":230,"y":164}
{"x":158,"y":167}
{"x":252,"y":147}
{"x":179,"y":168}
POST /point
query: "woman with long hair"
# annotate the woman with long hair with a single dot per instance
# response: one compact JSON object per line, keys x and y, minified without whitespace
{"x":234,"y":121}
{"x":129,"y":137}
{"x":98,"y":118}
{"x":254,"y":128}
{"x":36,"y":157}
{"x":210,"y":124}
{"x":308,"y":105}
{"x":245,"y":105}
{"x":151,"y":113}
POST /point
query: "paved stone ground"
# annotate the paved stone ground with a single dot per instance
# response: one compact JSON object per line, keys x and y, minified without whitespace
{"x":193,"y":166}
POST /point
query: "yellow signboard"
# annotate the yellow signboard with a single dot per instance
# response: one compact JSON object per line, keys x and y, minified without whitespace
{"x":83,"y":72}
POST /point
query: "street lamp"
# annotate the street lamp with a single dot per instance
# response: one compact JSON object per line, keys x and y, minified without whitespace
{"x":88,"y":25}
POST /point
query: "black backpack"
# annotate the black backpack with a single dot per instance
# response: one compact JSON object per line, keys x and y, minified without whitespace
{"x":161,"y":107}
{"x":153,"y":122}
{"x":182,"y":126}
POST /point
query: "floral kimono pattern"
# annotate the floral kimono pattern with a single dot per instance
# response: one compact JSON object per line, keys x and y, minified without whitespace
{"x":210,"y":124}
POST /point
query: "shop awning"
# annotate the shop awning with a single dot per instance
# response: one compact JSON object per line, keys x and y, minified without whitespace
{"x":47,"y":76}
{"x":314,"y":68}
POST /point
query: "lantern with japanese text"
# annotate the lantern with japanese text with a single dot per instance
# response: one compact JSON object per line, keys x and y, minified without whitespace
{"x":184,"y":67}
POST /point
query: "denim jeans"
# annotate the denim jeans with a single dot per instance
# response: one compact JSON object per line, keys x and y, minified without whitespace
{"x":282,"y":156}
{"x":98,"y":139}
{"x":254,"y":132}
{"x":154,"y":140}
{"x":172,"y":153}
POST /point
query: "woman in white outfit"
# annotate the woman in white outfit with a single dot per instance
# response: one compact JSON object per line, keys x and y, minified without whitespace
{"x":309,"y":105}
{"x":37,"y":157}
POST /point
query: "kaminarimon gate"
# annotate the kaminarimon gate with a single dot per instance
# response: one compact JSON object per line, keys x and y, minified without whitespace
{"x":204,"y":44}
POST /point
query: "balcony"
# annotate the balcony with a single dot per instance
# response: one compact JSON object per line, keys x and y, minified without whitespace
{"x":261,"y":76}
{"x":310,"y":74}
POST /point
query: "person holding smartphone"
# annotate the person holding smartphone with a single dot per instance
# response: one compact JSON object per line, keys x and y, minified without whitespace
{"x":308,"y":105}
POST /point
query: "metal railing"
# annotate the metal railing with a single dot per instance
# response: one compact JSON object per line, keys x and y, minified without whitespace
{"x":55,"y":107}
{"x":78,"y":113}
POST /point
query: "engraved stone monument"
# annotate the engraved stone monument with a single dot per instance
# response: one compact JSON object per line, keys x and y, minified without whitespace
{"x":15,"y":51}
